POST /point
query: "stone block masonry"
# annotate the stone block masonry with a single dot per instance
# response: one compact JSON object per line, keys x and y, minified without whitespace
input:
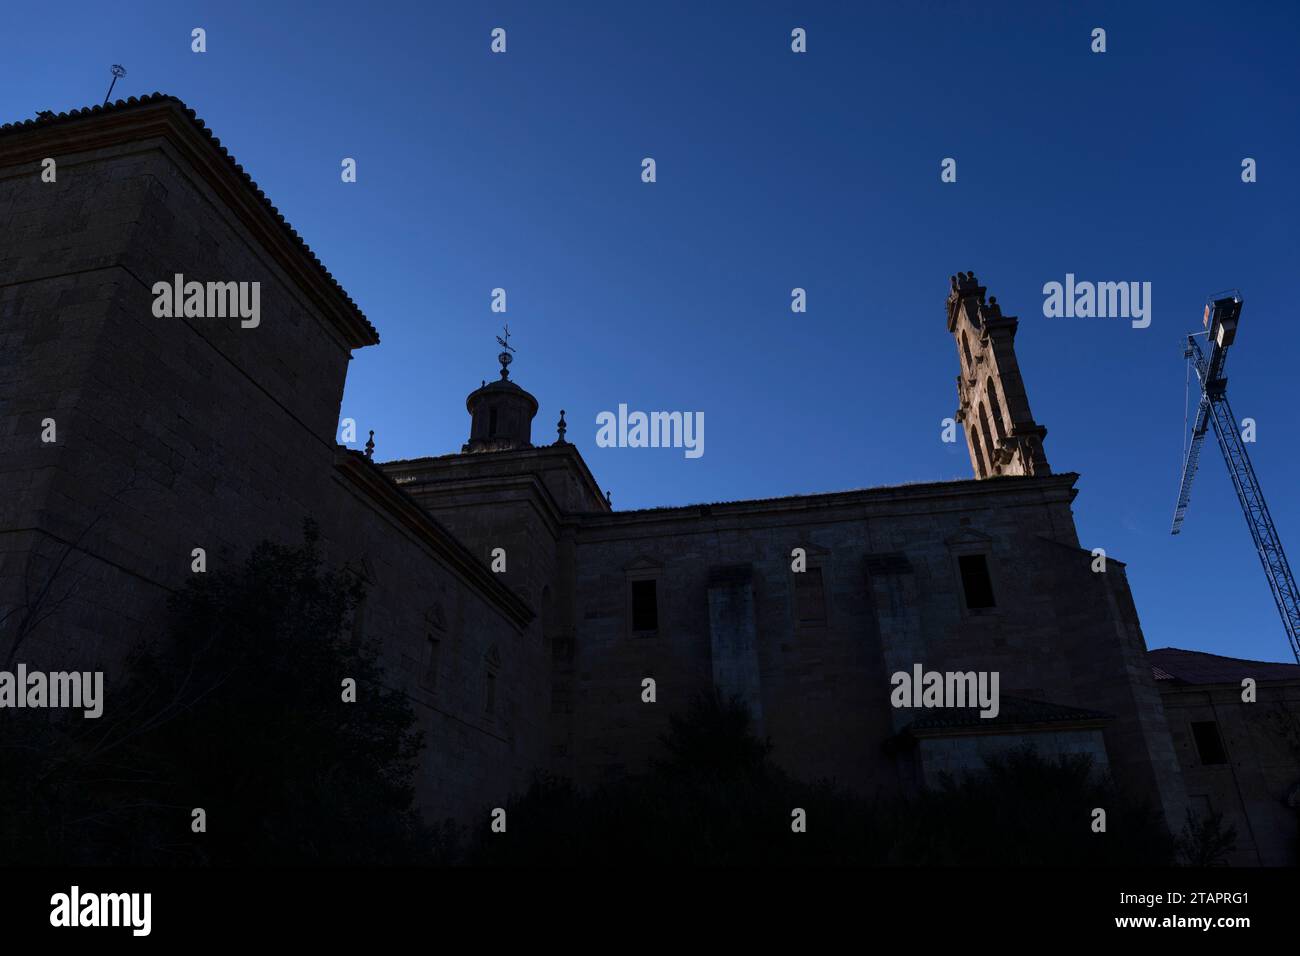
{"x":183,"y":432}
{"x":196,"y":430}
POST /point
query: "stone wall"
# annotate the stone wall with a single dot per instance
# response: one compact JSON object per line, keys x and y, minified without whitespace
{"x":518,"y":501}
{"x":1257,"y":789}
{"x":183,"y":433}
{"x":893,"y":597}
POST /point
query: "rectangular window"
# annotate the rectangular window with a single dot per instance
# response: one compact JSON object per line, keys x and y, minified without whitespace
{"x":1208,"y":742}
{"x":645,"y":606}
{"x":975,"y":580}
{"x":810,"y":596}
{"x":490,"y":701}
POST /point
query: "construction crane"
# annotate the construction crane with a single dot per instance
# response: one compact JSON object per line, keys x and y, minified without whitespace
{"x":1220,"y":323}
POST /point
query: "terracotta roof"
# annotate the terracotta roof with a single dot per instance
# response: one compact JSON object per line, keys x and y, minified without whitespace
{"x":156,"y":99}
{"x":1196,"y":667}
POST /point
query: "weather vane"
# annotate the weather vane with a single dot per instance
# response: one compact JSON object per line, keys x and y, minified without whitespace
{"x":506,"y":348}
{"x":118,"y":72}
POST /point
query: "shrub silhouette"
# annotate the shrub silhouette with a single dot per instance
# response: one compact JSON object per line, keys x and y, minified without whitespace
{"x":715,"y":798}
{"x":1206,"y":841}
{"x":239,"y":711}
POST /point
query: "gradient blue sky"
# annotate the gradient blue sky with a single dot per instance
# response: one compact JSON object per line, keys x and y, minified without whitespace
{"x":775,"y":171}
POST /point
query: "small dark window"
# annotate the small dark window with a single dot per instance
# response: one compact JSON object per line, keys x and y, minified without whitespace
{"x":975,"y":580}
{"x":1208,"y":742}
{"x":492,"y":423}
{"x":645,"y":606}
{"x":810,"y":597}
{"x":490,"y":697}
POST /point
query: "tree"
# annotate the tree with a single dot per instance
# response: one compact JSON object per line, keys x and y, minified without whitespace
{"x":44,"y":595}
{"x":1205,"y":841}
{"x":239,"y":712}
{"x":714,"y":797}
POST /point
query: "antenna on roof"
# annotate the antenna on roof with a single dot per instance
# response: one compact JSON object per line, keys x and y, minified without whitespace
{"x":118,"y":72}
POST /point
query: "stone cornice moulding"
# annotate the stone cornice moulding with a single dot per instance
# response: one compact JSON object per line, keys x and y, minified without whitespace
{"x":524,"y":487}
{"x":469,"y":460}
{"x":1045,"y":489}
{"x":968,"y":537}
{"x":643,"y":563}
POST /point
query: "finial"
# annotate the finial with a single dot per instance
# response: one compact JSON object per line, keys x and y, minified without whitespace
{"x":506,"y":348}
{"x":561,"y":427}
{"x":609,"y":500}
{"x":370,"y":445}
{"x":963,"y":282}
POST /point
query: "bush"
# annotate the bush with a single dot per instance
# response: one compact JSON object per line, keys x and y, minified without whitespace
{"x":715,"y":798}
{"x":240,"y":712}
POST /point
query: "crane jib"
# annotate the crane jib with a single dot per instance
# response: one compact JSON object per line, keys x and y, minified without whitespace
{"x":1221,"y":316}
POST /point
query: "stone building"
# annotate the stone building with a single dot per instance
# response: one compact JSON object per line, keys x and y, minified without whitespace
{"x":176,"y":433}
{"x":982,"y":575}
{"x":1239,"y":758}
{"x":185,"y":432}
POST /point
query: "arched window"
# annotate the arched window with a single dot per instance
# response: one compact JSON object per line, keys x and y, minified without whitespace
{"x":995,"y":406}
{"x":982,"y":469}
{"x":988,"y":436}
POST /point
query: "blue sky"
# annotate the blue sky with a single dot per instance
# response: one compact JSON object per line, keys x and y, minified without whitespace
{"x":777,"y":170}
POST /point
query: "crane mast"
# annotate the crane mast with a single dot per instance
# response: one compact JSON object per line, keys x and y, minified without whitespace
{"x":1213,"y":411}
